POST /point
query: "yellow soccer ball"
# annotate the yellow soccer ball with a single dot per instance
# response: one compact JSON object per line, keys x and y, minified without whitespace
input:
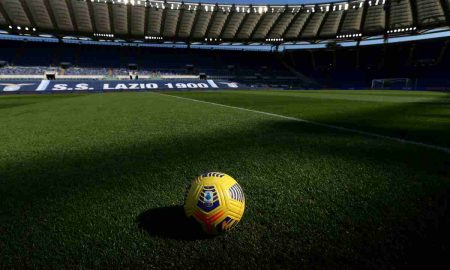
{"x":216,"y":201}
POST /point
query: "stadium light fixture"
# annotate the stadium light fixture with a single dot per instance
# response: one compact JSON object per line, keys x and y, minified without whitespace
{"x":356,"y":35}
{"x":401,"y":30}
{"x":153,"y":38}
{"x":274,"y":39}
{"x":102,"y":35}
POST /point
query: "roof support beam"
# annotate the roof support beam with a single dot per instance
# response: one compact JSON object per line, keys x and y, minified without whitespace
{"x":277,"y":20}
{"x":5,"y":14}
{"x":211,"y":20}
{"x":305,"y":24}
{"x":163,"y":20}
{"x":111,"y":18}
{"x":257,"y":25}
{"x":147,"y":16}
{"x":28,"y":13}
{"x":129,"y":19}
{"x":365,"y":8}
{"x":243,"y":22}
{"x":91,"y":15}
{"x":415,"y":16}
{"x":341,"y":22}
{"x":197,"y":15}
{"x":180,"y":17}
{"x":227,"y":21}
{"x":51,"y":15}
{"x":446,"y":10}
{"x":322,"y":23}
{"x":299,"y":13}
{"x":72,"y":15}
{"x":387,"y":16}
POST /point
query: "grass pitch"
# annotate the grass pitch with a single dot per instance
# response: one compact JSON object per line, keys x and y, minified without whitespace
{"x":96,"y":181}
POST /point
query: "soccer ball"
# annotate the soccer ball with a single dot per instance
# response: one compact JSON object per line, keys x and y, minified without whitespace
{"x":216,"y":201}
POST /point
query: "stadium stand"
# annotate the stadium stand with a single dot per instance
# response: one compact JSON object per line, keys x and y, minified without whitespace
{"x":63,"y":37}
{"x":151,"y":62}
{"x":423,"y":62}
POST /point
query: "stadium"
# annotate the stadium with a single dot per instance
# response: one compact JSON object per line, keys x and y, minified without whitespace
{"x":333,"y":117}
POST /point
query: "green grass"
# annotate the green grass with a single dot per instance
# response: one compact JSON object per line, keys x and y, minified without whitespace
{"x":82,"y":176}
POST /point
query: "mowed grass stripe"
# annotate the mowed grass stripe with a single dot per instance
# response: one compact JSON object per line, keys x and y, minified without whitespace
{"x":344,"y":129}
{"x":426,"y":122}
{"x":353,"y":95}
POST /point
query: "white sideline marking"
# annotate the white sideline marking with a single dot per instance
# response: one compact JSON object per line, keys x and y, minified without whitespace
{"x":369,"y":134}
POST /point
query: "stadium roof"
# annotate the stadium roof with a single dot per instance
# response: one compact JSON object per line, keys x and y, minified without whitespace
{"x":162,"y":21}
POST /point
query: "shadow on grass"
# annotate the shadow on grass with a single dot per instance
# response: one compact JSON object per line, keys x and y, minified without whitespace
{"x":170,"y":222}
